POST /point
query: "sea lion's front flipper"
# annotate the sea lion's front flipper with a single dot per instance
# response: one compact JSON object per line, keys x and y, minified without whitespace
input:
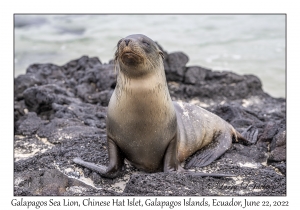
{"x":116,"y":161}
{"x":171,"y":162}
{"x":211,"y":152}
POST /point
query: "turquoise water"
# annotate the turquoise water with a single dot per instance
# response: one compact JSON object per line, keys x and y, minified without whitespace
{"x":245,"y":44}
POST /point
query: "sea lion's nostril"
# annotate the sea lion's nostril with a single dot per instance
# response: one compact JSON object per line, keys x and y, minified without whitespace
{"x":127,"y":41}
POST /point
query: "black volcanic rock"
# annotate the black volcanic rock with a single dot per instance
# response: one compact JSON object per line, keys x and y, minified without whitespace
{"x":278,"y":148}
{"x":175,"y":66}
{"x":29,"y":124}
{"x":60,"y":111}
{"x":195,"y":75}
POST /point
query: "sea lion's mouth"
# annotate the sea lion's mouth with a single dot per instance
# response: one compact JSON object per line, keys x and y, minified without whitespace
{"x":130,"y":58}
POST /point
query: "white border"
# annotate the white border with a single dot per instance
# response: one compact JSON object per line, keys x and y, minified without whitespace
{"x":8,"y":8}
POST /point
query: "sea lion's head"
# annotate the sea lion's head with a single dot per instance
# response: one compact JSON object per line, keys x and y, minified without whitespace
{"x":138,"y":55}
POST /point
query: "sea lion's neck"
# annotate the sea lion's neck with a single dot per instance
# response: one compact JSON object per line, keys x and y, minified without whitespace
{"x":146,"y":96}
{"x":151,"y":84}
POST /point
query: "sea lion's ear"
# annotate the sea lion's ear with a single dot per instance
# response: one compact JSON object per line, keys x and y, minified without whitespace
{"x":161,"y":54}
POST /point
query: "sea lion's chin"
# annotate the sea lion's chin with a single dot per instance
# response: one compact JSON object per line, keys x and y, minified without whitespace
{"x":131,"y":59}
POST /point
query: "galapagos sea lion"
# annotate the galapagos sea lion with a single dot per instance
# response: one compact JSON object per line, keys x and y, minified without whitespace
{"x":146,"y":127}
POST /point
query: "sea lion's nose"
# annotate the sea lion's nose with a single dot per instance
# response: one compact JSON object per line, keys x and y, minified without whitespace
{"x":126,"y":41}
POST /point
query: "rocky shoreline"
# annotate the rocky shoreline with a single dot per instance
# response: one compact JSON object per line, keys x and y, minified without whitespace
{"x":59,"y":114}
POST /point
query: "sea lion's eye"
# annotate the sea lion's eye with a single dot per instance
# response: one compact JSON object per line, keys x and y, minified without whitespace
{"x":146,"y":43}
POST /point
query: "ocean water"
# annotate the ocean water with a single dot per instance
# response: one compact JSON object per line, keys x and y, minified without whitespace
{"x":245,"y":44}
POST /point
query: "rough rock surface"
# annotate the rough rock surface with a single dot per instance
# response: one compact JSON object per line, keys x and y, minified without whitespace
{"x":59,"y":114}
